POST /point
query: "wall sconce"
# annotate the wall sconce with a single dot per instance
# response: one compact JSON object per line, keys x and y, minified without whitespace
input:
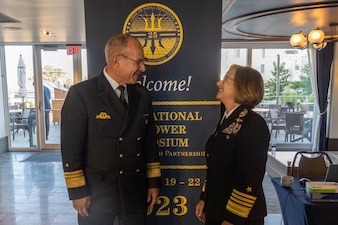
{"x":299,"y":40}
{"x":316,"y":37}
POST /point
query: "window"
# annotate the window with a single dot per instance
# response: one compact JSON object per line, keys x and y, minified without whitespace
{"x":232,"y":56}
{"x":262,"y":68}
{"x":287,"y":83}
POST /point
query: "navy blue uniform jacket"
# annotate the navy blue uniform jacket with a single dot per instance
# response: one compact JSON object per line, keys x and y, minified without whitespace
{"x":108,"y":153}
{"x":236,"y":158}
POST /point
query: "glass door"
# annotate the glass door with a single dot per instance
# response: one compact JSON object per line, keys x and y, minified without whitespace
{"x":20,"y":96}
{"x":38,"y":79}
{"x":57,"y":71}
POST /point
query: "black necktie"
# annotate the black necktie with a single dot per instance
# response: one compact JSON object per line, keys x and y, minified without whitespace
{"x":122,"y":99}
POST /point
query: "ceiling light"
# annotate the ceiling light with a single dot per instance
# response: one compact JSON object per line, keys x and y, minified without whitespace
{"x":316,"y":37}
{"x":47,"y":33}
{"x":299,"y":40}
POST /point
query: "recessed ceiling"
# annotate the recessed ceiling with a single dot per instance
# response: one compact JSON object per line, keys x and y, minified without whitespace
{"x":64,"y":19}
{"x":242,"y":20}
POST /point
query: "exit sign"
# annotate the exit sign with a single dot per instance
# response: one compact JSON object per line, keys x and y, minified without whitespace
{"x":73,"y":49}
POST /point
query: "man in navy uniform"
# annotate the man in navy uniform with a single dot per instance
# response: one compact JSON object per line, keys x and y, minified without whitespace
{"x":108,"y":142}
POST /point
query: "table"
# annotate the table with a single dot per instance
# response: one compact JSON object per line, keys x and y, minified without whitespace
{"x":297,"y":209}
{"x":14,"y":111}
{"x":280,"y":163}
{"x":262,"y":110}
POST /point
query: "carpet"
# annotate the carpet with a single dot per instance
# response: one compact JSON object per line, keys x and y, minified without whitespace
{"x":44,"y":156}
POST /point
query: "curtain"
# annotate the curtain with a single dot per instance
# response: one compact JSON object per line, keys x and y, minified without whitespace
{"x":316,"y":113}
{"x":324,"y":59}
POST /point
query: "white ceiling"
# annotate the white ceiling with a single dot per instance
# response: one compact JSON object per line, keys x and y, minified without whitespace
{"x":64,"y":19}
{"x":275,"y":20}
{"x":246,"y":20}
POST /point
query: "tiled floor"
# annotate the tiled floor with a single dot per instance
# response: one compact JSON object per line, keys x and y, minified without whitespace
{"x":34,"y":193}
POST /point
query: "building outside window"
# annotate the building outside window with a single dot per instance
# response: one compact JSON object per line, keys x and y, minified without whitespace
{"x":288,"y":90}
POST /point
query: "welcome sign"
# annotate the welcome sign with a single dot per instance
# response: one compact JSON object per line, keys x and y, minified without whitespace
{"x":182,"y":45}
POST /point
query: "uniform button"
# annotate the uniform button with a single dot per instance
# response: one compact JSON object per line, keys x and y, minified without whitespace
{"x":207,"y":155}
{"x":139,"y":138}
{"x":138,"y":154}
{"x":121,"y":155}
{"x":138,"y":170}
{"x":121,"y":171}
{"x":67,"y":165}
{"x":121,"y":139}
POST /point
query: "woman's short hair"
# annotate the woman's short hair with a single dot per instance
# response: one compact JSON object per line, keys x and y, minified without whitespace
{"x":249,"y":85}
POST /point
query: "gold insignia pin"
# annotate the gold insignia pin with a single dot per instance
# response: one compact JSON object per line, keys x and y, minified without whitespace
{"x":103,"y":116}
{"x":243,"y":113}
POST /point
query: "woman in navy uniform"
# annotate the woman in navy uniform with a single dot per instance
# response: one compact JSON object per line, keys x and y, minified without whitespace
{"x":236,"y":154}
{"x":108,"y":143}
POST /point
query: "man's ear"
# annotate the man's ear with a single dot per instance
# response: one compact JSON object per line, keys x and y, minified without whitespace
{"x":116,"y":59}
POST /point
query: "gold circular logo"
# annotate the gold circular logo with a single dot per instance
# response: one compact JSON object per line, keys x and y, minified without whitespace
{"x":158,"y":29}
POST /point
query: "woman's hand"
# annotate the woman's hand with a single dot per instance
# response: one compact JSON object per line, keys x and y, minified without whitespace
{"x":199,"y":211}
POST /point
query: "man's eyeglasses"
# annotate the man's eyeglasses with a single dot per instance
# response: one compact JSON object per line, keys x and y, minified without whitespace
{"x":138,"y":61}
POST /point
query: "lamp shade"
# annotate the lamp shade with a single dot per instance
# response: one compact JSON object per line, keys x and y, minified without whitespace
{"x":316,"y":36}
{"x":298,"y":40}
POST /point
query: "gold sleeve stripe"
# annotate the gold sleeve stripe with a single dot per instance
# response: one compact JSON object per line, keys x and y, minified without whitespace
{"x":240,"y":198}
{"x":237,"y":209}
{"x":244,"y":195}
{"x":204,"y":186}
{"x":75,"y":179}
{"x":240,"y":203}
{"x":153,"y":170}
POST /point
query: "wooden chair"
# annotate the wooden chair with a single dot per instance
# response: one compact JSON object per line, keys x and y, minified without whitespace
{"x":310,"y":164}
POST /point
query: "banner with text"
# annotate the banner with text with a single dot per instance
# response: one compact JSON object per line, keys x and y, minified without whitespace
{"x":182,"y":47}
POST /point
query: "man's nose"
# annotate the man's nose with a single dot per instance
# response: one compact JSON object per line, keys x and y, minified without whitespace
{"x":142,"y":67}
